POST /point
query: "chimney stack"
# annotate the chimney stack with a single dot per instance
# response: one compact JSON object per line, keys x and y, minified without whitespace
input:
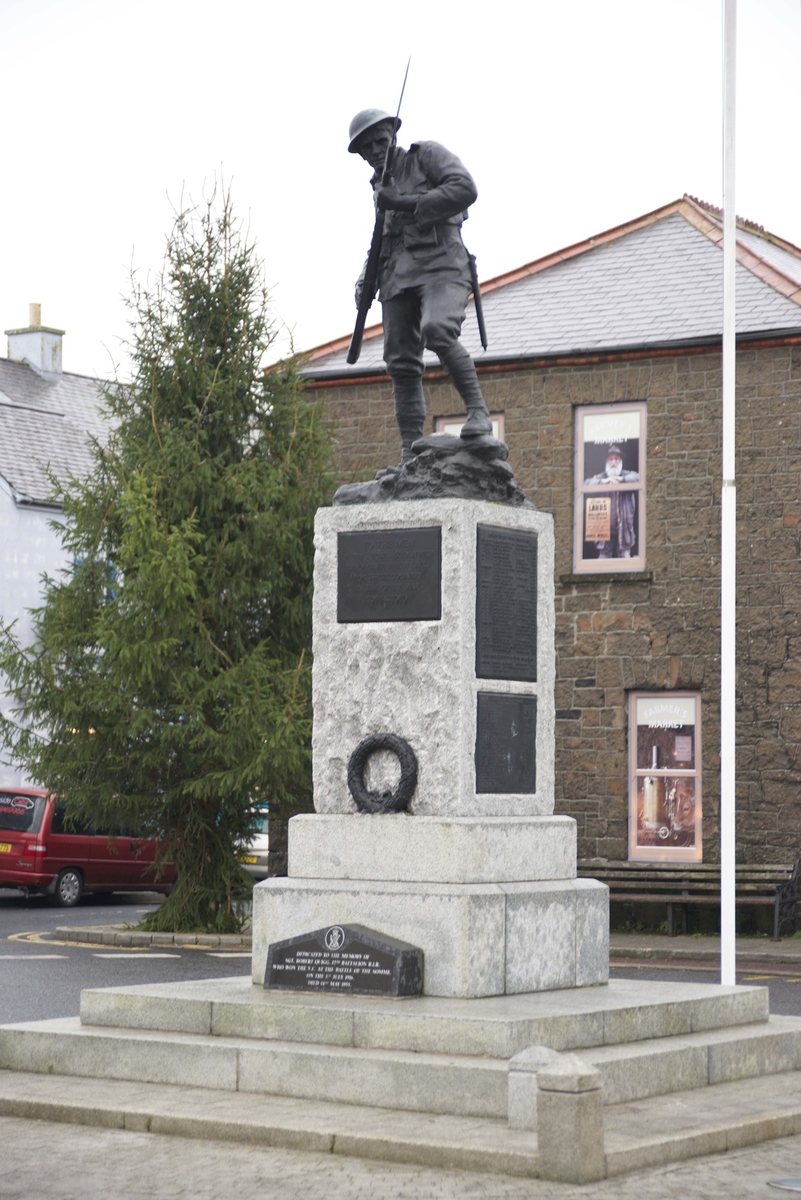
{"x":37,"y":344}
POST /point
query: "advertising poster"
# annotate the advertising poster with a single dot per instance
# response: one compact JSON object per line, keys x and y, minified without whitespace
{"x":665,"y":791}
{"x":610,"y":488}
{"x":597,"y":519}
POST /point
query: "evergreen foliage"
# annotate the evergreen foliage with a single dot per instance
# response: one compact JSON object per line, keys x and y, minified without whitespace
{"x":168,"y":688}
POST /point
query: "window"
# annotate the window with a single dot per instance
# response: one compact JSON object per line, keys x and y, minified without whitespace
{"x":74,"y":826}
{"x":22,"y":814}
{"x":665,"y":777}
{"x":453,"y":425}
{"x":609,"y":520}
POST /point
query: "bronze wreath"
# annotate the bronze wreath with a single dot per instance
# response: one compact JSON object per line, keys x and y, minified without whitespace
{"x":382,"y":802}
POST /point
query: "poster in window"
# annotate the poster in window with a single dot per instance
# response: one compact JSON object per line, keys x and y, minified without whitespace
{"x":610,"y":488}
{"x":597,"y":518}
{"x":665,"y":786}
{"x":666,"y":812}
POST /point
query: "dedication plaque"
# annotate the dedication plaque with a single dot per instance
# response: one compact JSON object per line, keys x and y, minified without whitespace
{"x":506,"y":604}
{"x":345,"y":958}
{"x":390,"y":575}
{"x":506,"y":743}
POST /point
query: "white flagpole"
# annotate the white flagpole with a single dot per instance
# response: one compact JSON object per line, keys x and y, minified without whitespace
{"x":728,"y":544}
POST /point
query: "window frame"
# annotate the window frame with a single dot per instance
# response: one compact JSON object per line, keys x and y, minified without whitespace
{"x":596,"y":566}
{"x":665,"y":852}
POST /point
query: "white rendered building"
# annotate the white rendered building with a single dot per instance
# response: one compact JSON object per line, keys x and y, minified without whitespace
{"x":47,"y":418}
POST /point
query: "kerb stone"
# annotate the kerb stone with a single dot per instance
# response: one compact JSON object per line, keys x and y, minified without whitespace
{"x":523,"y":1089}
{"x":570,"y":1124}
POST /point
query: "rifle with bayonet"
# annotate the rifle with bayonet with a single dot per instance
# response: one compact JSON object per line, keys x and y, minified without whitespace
{"x":479,"y":307}
{"x":370,"y":282}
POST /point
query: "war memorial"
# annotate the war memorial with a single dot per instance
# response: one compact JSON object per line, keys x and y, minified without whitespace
{"x":430,"y":981}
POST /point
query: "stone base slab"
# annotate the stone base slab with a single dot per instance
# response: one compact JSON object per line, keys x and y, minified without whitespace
{"x":421,"y":849}
{"x":597,"y":1019}
{"x":477,"y":939}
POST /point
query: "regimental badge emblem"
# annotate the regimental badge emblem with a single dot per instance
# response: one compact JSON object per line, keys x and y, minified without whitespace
{"x":335,"y":937}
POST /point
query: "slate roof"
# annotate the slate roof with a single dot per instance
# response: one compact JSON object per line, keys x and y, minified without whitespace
{"x":45,"y":423}
{"x":654,"y":281}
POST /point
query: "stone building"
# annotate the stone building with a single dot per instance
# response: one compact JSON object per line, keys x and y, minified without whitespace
{"x":614,"y":345}
{"x":46,"y":418}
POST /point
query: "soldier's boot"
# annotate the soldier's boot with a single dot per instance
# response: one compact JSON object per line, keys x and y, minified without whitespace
{"x":410,"y":413}
{"x":462,"y":370}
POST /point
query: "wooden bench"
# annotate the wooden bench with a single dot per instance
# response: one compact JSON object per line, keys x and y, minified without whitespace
{"x":678,"y":885}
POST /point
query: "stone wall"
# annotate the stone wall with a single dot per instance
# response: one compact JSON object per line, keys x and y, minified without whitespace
{"x":660,"y":631}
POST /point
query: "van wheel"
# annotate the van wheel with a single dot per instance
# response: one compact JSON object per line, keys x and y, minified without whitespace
{"x":69,"y":886}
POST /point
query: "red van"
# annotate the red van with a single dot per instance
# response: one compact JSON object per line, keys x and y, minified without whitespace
{"x":40,"y":855}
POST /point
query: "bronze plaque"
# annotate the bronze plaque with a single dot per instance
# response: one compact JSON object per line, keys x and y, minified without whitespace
{"x":506,"y":743}
{"x":390,"y":575}
{"x":506,"y":604}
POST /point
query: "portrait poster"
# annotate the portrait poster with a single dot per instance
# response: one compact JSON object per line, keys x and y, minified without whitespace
{"x":665,"y":786}
{"x":610,"y":488}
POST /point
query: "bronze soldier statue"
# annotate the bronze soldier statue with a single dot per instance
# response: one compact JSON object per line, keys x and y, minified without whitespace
{"x":424,"y":273}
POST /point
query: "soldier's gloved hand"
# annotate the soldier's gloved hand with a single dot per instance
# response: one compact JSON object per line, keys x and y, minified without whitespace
{"x":389,"y":199}
{"x":359,"y":290}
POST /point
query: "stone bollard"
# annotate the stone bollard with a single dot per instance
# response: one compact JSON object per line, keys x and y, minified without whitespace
{"x":570,"y":1123}
{"x":523,"y":1089}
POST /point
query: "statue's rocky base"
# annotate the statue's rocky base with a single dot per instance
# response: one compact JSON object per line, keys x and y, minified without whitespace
{"x":443,"y":466}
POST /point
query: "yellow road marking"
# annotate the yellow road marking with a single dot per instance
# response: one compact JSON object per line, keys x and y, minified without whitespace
{"x":42,"y":939}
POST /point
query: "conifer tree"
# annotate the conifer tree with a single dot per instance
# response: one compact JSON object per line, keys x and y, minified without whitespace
{"x":168,"y":686}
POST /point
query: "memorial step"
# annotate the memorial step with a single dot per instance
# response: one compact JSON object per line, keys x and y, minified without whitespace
{"x":676,"y":1064}
{"x":637,"y":1135}
{"x":663,"y":1129}
{"x":622,"y":1011}
{"x":427,"y":1139}
{"x":461,"y":1085}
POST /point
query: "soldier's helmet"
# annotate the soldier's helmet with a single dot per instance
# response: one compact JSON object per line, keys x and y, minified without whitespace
{"x":365,"y":120}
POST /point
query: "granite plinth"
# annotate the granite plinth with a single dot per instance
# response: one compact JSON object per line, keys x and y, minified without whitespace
{"x":477,"y":939}
{"x":439,"y":849}
{"x":417,"y":678}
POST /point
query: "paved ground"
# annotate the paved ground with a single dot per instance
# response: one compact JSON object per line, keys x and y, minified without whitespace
{"x":44,"y":1161}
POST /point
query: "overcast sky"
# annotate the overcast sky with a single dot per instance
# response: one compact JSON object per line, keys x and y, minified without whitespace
{"x":573,"y":116}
